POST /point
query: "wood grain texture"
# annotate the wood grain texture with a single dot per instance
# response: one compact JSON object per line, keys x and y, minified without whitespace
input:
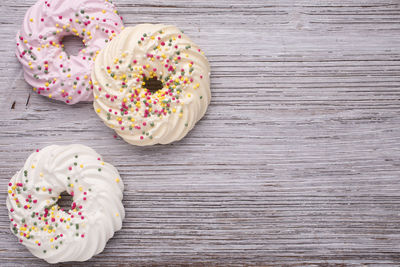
{"x":297,"y":161}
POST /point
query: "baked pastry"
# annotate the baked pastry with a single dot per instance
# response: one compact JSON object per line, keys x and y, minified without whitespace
{"x":58,"y":235}
{"x":151,"y":84}
{"x":47,"y":67}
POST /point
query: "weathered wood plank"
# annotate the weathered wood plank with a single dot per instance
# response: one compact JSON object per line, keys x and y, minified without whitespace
{"x":296,"y":162}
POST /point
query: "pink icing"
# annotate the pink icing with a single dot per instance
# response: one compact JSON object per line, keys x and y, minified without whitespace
{"x":47,"y":68}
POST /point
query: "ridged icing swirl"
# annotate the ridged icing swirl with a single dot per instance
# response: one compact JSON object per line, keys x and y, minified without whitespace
{"x":142,"y":55}
{"x":47,"y":67}
{"x":58,"y":235}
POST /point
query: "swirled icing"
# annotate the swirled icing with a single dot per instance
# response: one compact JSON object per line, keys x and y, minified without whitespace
{"x":54,"y":234}
{"x":47,"y":67}
{"x":151,"y":51}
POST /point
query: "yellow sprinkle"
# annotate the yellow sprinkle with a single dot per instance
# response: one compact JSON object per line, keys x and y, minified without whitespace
{"x":31,"y":20}
{"x":44,"y":189}
{"x":117,"y":214}
{"x":98,"y":110}
{"x":33,"y":166}
{"x":49,"y":95}
{"x":81,"y":165}
{"x":103,"y":11}
{"x":117,"y":180}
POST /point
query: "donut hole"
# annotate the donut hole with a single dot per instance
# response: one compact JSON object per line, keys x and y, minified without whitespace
{"x":72,"y":44}
{"x":152,"y":84}
{"x":65,"y":201}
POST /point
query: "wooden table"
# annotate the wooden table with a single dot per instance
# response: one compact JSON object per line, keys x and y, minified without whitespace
{"x":297,"y":160}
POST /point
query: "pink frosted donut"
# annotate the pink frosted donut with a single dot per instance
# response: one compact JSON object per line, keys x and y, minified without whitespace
{"x":47,"y":67}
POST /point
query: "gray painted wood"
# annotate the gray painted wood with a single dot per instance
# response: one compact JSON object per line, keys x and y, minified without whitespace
{"x":296,"y":162}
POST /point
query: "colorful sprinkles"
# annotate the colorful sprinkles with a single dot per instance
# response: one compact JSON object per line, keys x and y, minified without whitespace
{"x":63,"y":78}
{"x":133,"y":106}
{"x":48,"y":225}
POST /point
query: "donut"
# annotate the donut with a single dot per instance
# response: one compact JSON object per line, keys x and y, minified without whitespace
{"x":58,"y":235}
{"x":47,"y":67}
{"x":151,"y":84}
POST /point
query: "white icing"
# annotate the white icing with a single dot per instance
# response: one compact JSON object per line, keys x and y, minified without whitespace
{"x":126,"y":55}
{"x":97,"y":188}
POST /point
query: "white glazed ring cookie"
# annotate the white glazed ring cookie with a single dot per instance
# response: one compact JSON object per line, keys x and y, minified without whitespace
{"x":47,"y":67}
{"x":178,"y":71}
{"x":58,"y":235}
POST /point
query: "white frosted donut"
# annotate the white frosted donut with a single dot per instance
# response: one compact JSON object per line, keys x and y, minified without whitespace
{"x":124,"y":70}
{"x":58,"y":235}
{"x":47,"y":67}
